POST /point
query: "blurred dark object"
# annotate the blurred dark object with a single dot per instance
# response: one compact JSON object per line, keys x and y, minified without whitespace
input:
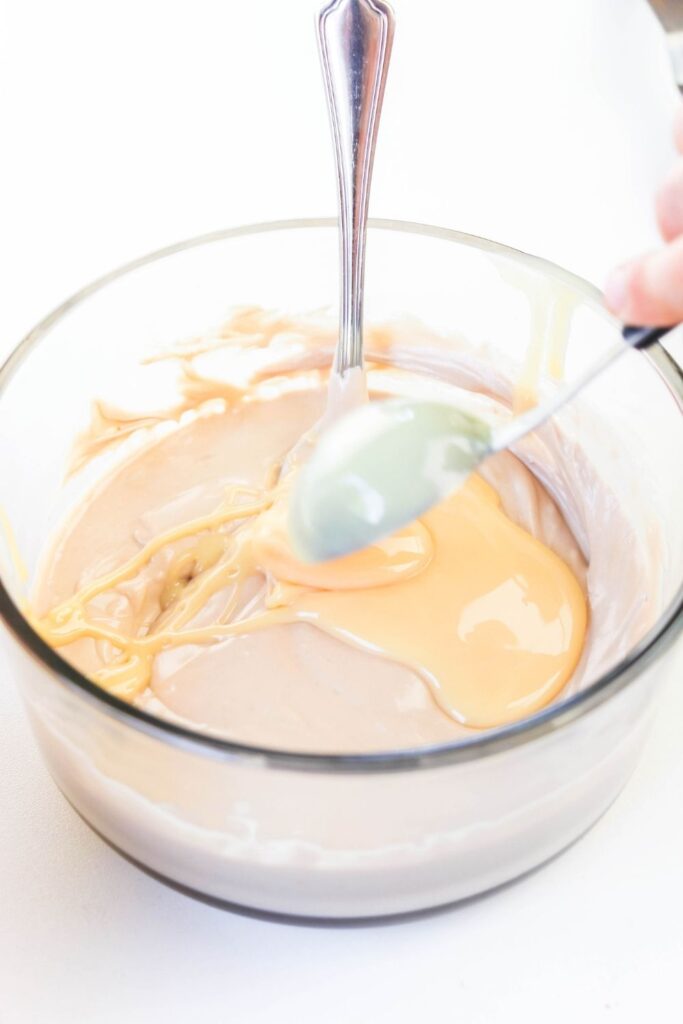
{"x":670,"y":14}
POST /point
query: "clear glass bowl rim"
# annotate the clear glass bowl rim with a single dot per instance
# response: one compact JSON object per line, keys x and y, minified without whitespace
{"x":556,"y":716}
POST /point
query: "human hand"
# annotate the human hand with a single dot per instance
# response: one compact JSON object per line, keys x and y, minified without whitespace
{"x":649,"y":290}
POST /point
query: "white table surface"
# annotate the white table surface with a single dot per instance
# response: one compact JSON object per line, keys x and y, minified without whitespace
{"x":127,"y":126}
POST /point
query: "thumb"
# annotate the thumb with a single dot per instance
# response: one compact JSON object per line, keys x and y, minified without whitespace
{"x":649,"y":290}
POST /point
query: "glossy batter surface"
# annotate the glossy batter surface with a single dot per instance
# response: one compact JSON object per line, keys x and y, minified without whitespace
{"x":174,"y":587}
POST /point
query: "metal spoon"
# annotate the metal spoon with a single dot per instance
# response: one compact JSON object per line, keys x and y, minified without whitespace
{"x":386,"y":463}
{"x":355,"y":39}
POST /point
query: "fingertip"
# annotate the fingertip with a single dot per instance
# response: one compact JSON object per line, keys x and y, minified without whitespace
{"x":669,"y":203}
{"x":649,"y":290}
{"x":617,"y":289}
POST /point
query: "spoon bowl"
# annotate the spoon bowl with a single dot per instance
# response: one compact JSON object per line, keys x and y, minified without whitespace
{"x":379,"y":468}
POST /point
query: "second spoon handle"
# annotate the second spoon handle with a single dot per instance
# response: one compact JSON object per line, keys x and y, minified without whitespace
{"x":635,"y":337}
{"x":355,"y":38}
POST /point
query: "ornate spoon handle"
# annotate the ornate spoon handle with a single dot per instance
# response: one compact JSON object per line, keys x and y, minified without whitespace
{"x":355,"y":38}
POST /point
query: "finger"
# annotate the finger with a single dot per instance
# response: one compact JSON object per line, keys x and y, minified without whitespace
{"x":669,"y":203}
{"x":649,"y":291}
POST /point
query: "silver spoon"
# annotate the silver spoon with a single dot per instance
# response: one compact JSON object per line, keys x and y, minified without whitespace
{"x":386,"y":463}
{"x":355,"y":39}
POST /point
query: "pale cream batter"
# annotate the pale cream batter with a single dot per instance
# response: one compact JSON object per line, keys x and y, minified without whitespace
{"x":471,"y":618}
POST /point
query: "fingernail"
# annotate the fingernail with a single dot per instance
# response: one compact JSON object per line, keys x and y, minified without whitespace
{"x":616,"y":289}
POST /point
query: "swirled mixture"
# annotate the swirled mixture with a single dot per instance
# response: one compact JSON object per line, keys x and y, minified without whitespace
{"x":173,"y":584}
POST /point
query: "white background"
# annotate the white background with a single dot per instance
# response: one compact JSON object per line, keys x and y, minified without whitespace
{"x":128,"y":125}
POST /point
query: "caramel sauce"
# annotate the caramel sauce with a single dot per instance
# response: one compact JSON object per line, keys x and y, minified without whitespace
{"x":485,"y":614}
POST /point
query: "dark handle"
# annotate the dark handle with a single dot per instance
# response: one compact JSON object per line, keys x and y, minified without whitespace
{"x":643,"y":337}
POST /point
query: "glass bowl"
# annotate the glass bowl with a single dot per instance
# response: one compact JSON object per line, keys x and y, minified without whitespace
{"x":349,"y":835}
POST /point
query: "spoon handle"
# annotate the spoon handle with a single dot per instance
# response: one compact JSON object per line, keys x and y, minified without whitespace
{"x":355,"y":38}
{"x":635,"y":337}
